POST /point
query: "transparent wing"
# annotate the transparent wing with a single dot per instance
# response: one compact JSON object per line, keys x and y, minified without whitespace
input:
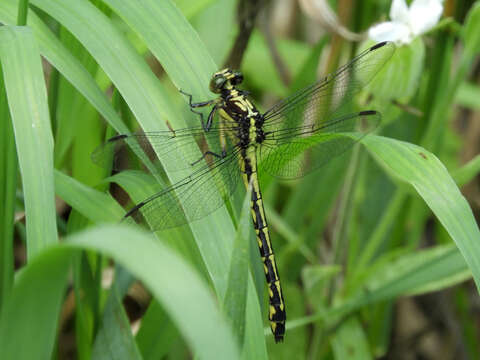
{"x":291,"y":153}
{"x":326,"y":98}
{"x":191,"y":198}
{"x":179,"y":150}
{"x":214,"y":171}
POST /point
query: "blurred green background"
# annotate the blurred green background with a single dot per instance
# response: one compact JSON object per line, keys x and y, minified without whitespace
{"x":378,"y":251}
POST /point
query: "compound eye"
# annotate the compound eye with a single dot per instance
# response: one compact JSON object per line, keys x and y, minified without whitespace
{"x":237,"y":79}
{"x":216,"y":84}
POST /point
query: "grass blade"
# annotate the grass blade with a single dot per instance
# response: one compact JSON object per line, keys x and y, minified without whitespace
{"x":237,"y":290}
{"x":32,"y":310}
{"x":428,"y":176}
{"x":8,"y":186}
{"x":57,"y":55}
{"x":152,"y":263}
{"x":27,"y":100}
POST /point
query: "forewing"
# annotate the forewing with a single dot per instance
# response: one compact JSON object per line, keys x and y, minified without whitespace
{"x":325,"y":99}
{"x":291,"y":153}
{"x":191,"y":198}
{"x":178,"y":150}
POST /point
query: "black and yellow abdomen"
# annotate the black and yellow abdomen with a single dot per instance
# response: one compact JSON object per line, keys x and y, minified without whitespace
{"x":276,"y":314}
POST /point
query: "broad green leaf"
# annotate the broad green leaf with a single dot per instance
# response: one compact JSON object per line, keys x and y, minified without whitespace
{"x":428,"y":176}
{"x":27,"y":100}
{"x":29,"y":319}
{"x":172,"y":282}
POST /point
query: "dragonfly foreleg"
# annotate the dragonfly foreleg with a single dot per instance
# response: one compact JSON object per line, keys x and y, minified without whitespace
{"x":193,"y":105}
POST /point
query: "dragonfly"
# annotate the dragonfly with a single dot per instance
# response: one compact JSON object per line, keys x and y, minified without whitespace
{"x":299,"y":134}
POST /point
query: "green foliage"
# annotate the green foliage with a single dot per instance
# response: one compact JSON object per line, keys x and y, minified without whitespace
{"x":347,"y":237}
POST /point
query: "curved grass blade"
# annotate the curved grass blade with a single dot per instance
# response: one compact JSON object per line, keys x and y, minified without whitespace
{"x":206,"y":331}
{"x":421,"y":169}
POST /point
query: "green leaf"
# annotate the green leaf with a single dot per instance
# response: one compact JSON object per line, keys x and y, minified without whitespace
{"x":8,"y":187}
{"x":54,"y":51}
{"x":119,"y":60}
{"x":416,"y":273}
{"x":143,"y":93}
{"x":93,"y":204}
{"x":29,"y":319}
{"x":237,"y":290}
{"x":153,"y":341}
{"x":428,"y":176}
{"x":174,"y":43}
{"x":27,"y":100}
{"x":173,"y":283}
{"x":422,"y":271}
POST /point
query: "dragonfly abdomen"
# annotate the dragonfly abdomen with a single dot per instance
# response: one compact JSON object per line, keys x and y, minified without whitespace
{"x":276,"y":314}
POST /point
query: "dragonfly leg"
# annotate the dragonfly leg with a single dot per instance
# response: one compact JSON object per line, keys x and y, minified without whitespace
{"x":208,"y":125}
{"x":193,"y":105}
{"x":206,"y":153}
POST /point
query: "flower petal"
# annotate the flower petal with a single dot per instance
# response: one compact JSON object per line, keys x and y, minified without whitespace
{"x":399,"y":11}
{"x":390,"y":31}
{"x":424,"y":15}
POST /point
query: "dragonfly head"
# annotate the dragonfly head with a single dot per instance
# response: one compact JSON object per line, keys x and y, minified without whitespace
{"x":225,"y":79}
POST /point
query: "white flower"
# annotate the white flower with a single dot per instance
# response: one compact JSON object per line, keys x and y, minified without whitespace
{"x":408,"y":22}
